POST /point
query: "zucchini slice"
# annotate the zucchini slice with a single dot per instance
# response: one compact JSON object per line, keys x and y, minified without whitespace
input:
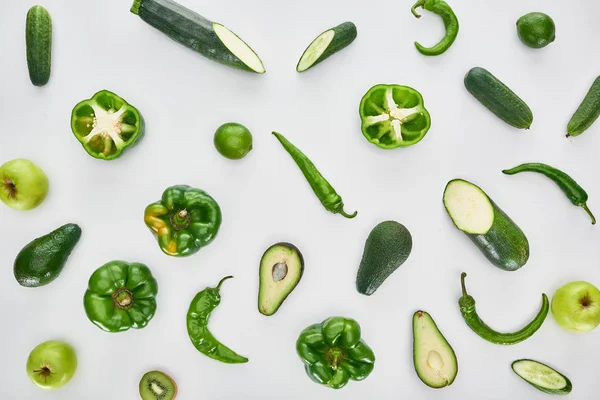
{"x":211,"y":39}
{"x":542,"y":377}
{"x":496,"y":235}
{"x":327,"y":44}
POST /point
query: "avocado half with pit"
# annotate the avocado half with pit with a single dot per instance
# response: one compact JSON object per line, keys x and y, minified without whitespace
{"x":281,"y":268}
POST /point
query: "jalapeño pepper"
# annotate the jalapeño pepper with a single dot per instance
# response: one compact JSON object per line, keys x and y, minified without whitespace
{"x":106,"y":125}
{"x":184,"y":220}
{"x":393,"y":116}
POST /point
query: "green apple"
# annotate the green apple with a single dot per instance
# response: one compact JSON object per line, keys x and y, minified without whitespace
{"x":576,"y":306}
{"x":23,"y":185}
{"x":52,"y":364}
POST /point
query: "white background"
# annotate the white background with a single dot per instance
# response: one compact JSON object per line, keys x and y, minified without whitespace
{"x":264,"y":198}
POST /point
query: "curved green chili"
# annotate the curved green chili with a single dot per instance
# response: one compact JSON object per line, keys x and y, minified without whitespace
{"x":197,"y":326}
{"x":442,"y":9}
{"x":467,"y":308}
{"x":570,"y":188}
{"x":323,"y":189}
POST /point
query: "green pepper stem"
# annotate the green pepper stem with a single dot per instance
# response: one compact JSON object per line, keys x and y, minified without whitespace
{"x":420,"y":3}
{"x":223,"y":280}
{"x":587,"y":210}
{"x":462,"y":282}
{"x":349,"y":216}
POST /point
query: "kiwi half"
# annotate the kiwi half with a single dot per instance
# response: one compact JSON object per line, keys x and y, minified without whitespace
{"x":156,"y":385}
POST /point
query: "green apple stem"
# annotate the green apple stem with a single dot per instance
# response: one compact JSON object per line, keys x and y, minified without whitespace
{"x":10,"y":187}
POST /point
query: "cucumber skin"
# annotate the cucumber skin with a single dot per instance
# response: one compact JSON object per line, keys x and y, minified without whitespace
{"x":38,"y":38}
{"x":187,"y":28}
{"x":504,"y":245}
{"x":564,"y":391}
{"x":344,"y":35}
{"x":498,"y":98}
{"x":587,"y":113}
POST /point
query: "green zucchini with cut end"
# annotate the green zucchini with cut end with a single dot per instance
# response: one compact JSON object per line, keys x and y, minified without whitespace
{"x":208,"y":38}
{"x":327,"y":44}
{"x":498,"y":98}
{"x":38,"y":38}
{"x":502,"y":242}
{"x":587,"y":113}
{"x":542,"y":377}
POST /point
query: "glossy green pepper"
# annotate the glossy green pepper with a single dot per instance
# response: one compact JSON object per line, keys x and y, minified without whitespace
{"x":333,"y":352}
{"x":393,"y":116}
{"x":120,"y":296}
{"x":184,"y":221}
{"x":106,"y":125}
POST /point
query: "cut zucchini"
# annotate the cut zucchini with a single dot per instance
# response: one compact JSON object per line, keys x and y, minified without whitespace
{"x":542,"y":377}
{"x":327,"y":44}
{"x":496,"y":235}
{"x":211,"y":39}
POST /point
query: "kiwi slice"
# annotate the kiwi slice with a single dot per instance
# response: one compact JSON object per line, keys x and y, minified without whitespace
{"x":156,"y":385}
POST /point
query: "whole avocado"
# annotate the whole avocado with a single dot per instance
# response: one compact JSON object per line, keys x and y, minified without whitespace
{"x":388,"y":246}
{"x":42,"y":260}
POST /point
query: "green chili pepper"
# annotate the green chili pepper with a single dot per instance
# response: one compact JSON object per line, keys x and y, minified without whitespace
{"x":570,"y":188}
{"x":184,"y":220}
{"x":467,"y":308}
{"x":333,"y":352}
{"x":323,"y":189}
{"x":197,"y":326}
{"x":106,"y":125}
{"x":393,"y":116}
{"x":442,"y":9}
{"x":120,"y":296}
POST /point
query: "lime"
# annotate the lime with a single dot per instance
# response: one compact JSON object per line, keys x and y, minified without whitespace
{"x":536,"y":30}
{"x":233,"y":140}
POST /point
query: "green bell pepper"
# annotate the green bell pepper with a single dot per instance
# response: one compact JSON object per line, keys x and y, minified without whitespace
{"x":184,"y":221}
{"x":106,"y":125}
{"x":333,"y":352}
{"x":120,"y":296}
{"x":393,"y":116}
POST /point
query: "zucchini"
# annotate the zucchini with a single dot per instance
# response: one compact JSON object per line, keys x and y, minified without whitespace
{"x":211,"y":39}
{"x":38,"y":38}
{"x":587,"y":113}
{"x":498,"y":98}
{"x":327,"y":44}
{"x":472,"y":211}
{"x":542,"y":377}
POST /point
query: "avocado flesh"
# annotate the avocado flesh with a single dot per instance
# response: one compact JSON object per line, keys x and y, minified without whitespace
{"x":434,"y":358}
{"x":281,"y":269}
{"x":42,"y":260}
{"x":388,"y":246}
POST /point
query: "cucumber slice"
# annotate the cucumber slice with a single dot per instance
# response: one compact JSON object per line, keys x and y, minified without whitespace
{"x":211,"y":39}
{"x":469,"y":207}
{"x":327,"y":44}
{"x":542,"y":377}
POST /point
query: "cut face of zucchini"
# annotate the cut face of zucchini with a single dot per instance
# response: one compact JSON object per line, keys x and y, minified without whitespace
{"x":239,"y":48}
{"x":327,"y":44}
{"x":469,"y":207}
{"x":542,"y":377}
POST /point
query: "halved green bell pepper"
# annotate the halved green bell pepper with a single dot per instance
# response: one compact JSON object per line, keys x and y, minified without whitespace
{"x":393,"y":116}
{"x":333,"y":352}
{"x":120,"y":296}
{"x":106,"y":125}
{"x":184,"y":221}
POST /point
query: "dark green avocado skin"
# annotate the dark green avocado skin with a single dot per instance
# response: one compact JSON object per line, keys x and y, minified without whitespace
{"x":388,"y":246}
{"x":42,"y":260}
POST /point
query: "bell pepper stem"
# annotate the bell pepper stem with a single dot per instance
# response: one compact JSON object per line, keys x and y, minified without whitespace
{"x":420,"y":3}
{"x":223,"y":280}
{"x":462,"y":282}
{"x":587,"y":210}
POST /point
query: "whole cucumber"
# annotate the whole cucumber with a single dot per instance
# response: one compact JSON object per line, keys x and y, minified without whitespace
{"x":587,"y":113}
{"x":38,"y":38}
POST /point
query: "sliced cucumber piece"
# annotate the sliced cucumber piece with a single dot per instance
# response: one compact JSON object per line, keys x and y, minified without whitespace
{"x":469,"y":207}
{"x":208,"y":38}
{"x":542,"y":377}
{"x":327,"y":44}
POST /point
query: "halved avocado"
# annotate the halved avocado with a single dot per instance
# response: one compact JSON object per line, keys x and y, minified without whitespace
{"x":281,"y":268}
{"x":434,"y":358}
